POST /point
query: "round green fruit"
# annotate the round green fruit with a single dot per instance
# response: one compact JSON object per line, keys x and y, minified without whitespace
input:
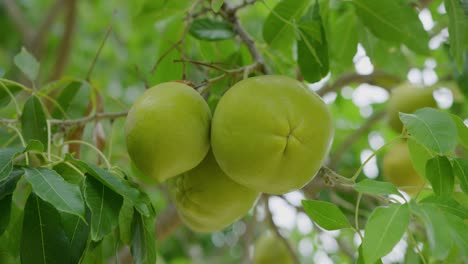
{"x":398,"y":169}
{"x":167,"y":130}
{"x":270,"y":249}
{"x":207,"y":200}
{"x":407,"y":98}
{"x":271,"y":133}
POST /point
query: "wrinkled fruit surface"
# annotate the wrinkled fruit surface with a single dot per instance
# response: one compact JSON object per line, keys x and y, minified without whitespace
{"x":167,"y":130}
{"x":407,"y":99}
{"x":398,"y":169}
{"x":270,"y":249}
{"x":271,"y":134}
{"x":207,"y":200}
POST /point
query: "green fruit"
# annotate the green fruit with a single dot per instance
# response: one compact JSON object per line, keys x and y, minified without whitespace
{"x":271,"y":133}
{"x":167,"y":130}
{"x":407,"y":98}
{"x":270,"y":249}
{"x":207,"y":200}
{"x":398,"y":169}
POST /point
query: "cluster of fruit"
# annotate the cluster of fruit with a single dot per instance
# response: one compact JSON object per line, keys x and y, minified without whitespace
{"x":268,"y":134}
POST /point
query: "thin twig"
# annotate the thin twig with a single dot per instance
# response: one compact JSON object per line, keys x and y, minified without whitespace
{"x":101,"y":46}
{"x":275,"y":229}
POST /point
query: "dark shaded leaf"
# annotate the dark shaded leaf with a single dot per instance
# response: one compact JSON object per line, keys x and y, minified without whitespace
{"x":105,"y":206}
{"x":33,"y":121}
{"x":43,"y":239}
{"x":8,"y":185}
{"x":143,"y":246}
{"x":312,"y":47}
{"x":439,"y":173}
{"x":5,"y":209}
{"x":210,"y":29}
{"x":125,"y":222}
{"x":77,"y":232}
{"x":6,"y":161}
{"x":5,"y":96}
{"x":65,"y":98}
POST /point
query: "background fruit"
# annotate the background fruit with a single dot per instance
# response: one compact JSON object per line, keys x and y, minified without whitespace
{"x":270,"y":133}
{"x":270,"y":249}
{"x":407,"y":98}
{"x":398,"y":169}
{"x":207,"y":200}
{"x":167,"y":130}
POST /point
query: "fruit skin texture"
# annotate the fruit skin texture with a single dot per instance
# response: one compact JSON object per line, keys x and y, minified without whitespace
{"x":167,"y":130}
{"x":207,"y":200}
{"x":398,"y":169}
{"x":270,"y":249}
{"x":407,"y":98}
{"x":271,"y":134}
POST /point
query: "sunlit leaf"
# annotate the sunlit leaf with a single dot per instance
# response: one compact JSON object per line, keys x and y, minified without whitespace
{"x":419,"y":156}
{"x":216,"y":5}
{"x":385,"y":227}
{"x":325,"y":214}
{"x":460,"y":169}
{"x":462,"y":130}
{"x":210,"y":29}
{"x":439,"y":173}
{"x":376,"y":187}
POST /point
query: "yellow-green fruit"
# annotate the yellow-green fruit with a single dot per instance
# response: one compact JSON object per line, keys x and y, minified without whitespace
{"x":167,"y":130}
{"x":271,"y":133}
{"x":270,"y":249}
{"x":398,"y":169}
{"x":207,"y":200}
{"x":407,"y":98}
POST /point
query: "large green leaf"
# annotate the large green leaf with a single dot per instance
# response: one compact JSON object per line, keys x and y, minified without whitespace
{"x":65,"y":98}
{"x":278,"y":29}
{"x":325,"y":214}
{"x":394,"y":20}
{"x":52,"y":188}
{"x":385,"y":227}
{"x":462,"y":130}
{"x":77,"y":232}
{"x":6,"y":161}
{"x":439,"y":173}
{"x":43,"y":240}
{"x":125,"y":222}
{"x":448,"y":205}
{"x":33,"y":121}
{"x":105,"y":205}
{"x":27,"y":64}
{"x":343,"y":41}
{"x":440,"y":239}
{"x":376,"y":187}
{"x":419,"y":156}
{"x":143,"y":246}
{"x":458,"y":30}
{"x":8,"y":185}
{"x":312,"y":46}
{"x":432,"y":128}
{"x":460,"y":169}
{"x":210,"y":29}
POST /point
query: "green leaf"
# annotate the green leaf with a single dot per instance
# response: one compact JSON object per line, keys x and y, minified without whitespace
{"x":440,"y":239}
{"x":210,"y":29}
{"x":360,"y":259}
{"x":325,"y":214}
{"x":143,"y":246}
{"x":33,"y":121}
{"x":376,"y":187}
{"x":34,"y":145}
{"x":216,"y":5}
{"x":43,"y":240}
{"x":279,"y":26}
{"x":68,"y":173}
{"x":125,"y":222}
{"x":458,"y":30}
{"x":65,"y":99}
{"x":343,"y":41}
{"x":439,"y":173}
{"x":8,"y":185}
{"x":5,"y":208}
{"x":5,"y":96}
{"x":312,"y":47}
{"x":27,"y":64}
{"x":462,"y":130}
{"x":52,"y":188}
{"x":105,"y":205}
{"x":6,"y":161}
{"x":448,"y":205}
{"x":460,"y":169}
{"x":77,"y":232}
{"x":395,"y":21}
{"x":385,"y":227}
{"x":115,"y":183}
{"x":419,"y":156}
{"x":432,"y":128}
